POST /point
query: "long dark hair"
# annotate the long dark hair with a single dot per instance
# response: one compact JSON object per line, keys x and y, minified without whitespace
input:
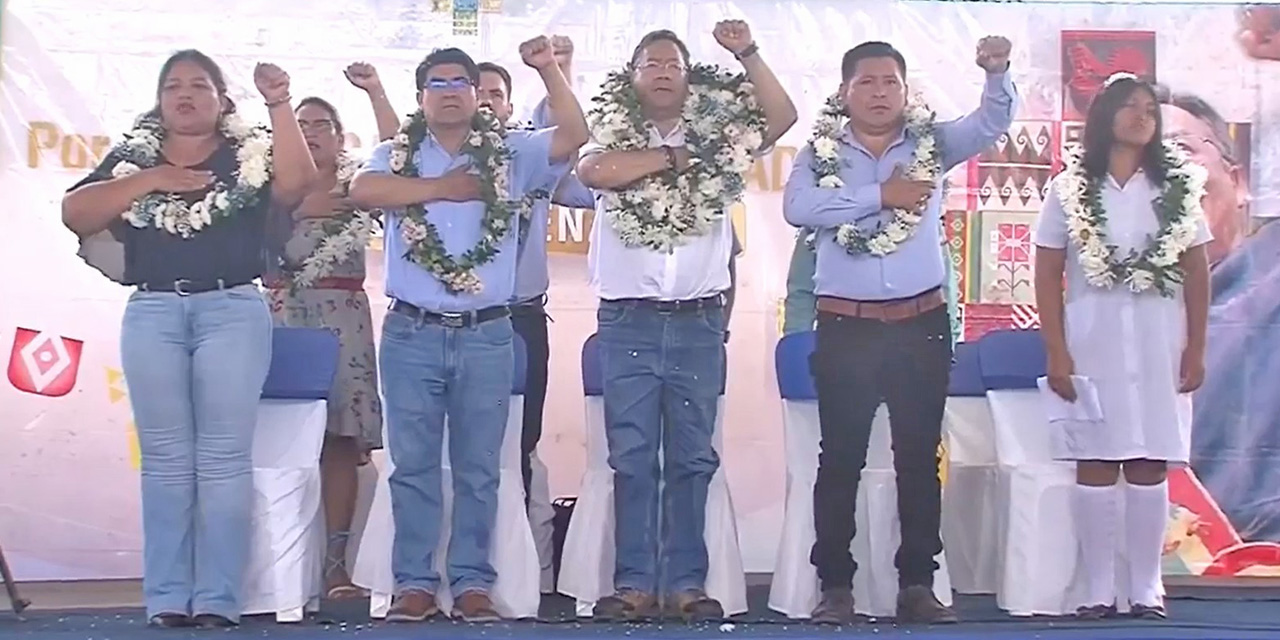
{"x":1099,"y":136}
{"x":204,"y":62}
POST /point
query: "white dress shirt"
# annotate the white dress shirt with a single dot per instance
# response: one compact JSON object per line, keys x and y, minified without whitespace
{"x":697,"y":269}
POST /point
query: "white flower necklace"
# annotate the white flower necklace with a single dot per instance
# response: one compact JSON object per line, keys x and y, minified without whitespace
{"x":926,"y":164}
{"x":723,"y":125}
{"x":486,"y":146}
{"x":167,"y":211}
{"x":1178,"y":209}
{"x":343,"y":236}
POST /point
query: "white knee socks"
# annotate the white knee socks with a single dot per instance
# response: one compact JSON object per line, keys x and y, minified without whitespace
{"x":1096,"y":516}
{"x":1146,"y":516}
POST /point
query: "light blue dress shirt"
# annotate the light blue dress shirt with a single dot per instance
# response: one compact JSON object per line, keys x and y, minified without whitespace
{"x":532,"y":278}
{"x":917,"y":265}
{"x":459,"y":224}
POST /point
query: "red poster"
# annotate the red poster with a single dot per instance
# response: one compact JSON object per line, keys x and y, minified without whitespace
{"x":1090,"y":57}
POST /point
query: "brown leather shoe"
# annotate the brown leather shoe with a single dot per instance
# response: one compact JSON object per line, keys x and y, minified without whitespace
{"x":693,"y":606}
{"x":835,"y":607}
{"x":627,"y":605}
{"x":413,"y":605}
{"x":918,"y":605}
{"x":475,"y":606}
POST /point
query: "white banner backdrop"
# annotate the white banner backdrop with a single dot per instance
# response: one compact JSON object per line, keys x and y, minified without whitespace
{"x":75,"y":73}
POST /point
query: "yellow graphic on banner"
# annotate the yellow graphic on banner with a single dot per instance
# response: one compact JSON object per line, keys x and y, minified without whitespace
{"x":116,"y":393}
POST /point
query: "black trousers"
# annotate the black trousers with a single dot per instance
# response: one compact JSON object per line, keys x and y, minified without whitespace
{"x":857,"y":364}
{"x":530,"y":322}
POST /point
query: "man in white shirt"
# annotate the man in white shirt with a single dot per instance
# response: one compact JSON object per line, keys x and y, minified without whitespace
{"x":661,"y":332}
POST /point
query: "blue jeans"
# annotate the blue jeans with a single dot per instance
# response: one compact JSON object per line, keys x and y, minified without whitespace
{"x":662,"y":378}
{"x":429,"y":372}
{"x":195,"y":366}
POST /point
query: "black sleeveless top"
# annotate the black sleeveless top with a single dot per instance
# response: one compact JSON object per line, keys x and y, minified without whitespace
{"x":231,"y":249}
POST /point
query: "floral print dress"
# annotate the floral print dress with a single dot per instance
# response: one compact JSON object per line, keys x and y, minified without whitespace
{"x":355,"y":409}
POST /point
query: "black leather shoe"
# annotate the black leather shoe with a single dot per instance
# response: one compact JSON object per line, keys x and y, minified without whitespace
{"x":170,"y":620}
{"x":1148,"y":612}
{"x":918,"y":605}
{"x":213,"y":621}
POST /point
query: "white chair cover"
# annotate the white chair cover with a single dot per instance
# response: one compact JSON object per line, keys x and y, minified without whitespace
{"x":972,"y":514}
{"x":587,"y":564}
{"x":795,"y":588}
{"x":541,"y":520}
{"x":1040,"y":574}
{"x":515,"y":593}
{"x":287,"y":546}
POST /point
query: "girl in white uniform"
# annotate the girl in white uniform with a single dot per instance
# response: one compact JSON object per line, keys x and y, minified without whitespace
{"x":1124,"y":223}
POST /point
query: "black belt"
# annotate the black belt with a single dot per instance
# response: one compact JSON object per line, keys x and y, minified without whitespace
{"x":672,"y":306}
{"x":450,"y":319}
{"x":186,"y":287}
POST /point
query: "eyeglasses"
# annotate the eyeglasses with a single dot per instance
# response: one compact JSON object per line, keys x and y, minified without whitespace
{"x":673,"y":67}
{"x":448,"y":83}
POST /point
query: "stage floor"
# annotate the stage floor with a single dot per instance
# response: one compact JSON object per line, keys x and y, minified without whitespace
{"x":1220,"y":614}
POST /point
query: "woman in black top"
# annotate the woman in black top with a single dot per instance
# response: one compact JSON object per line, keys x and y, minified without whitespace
{"x":187,"y":194}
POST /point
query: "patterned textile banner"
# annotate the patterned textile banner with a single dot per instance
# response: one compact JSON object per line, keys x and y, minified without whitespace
{"x":76,"y":73}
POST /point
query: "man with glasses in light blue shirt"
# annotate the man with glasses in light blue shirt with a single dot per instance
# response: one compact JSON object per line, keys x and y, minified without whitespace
{"x":447,"y":339}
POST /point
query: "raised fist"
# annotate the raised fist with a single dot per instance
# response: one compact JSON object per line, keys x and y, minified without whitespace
{"x":363,"y":76}
{"x":993,"y":53}
{"x":733,"y":35}
{"x":538,"y":52}
{"x":272,"y":82}
{"x":562,"y":49}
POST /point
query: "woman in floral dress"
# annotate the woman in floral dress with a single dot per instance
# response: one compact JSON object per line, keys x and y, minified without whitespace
{"x":1124,"y":223}
{"x":318,"y":281}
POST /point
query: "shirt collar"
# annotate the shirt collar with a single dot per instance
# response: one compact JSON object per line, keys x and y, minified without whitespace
{"x":846,"y":136}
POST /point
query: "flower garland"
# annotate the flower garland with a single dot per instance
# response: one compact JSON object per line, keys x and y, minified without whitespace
{"x":926,"y":164}
{"x":490,"y":157}
{"x":1178,"y":209}
{"x":343,"y":235}
{"x":724,"y":126}
{"x":140,"y":150}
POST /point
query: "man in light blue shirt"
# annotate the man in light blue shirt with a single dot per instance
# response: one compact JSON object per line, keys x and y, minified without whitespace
{"x":446,"y":343}
{"x":883,"y":332}
{"x":528,"y":302}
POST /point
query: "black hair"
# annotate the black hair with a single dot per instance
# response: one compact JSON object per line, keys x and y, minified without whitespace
{"x":203,"y":61}
{"x":493,"y":67}
{"x":450,"y":55}
{"x":327,"y":106}
{"x":866,"y":51}
{"x":1204,"y":112}
{"x":660,"y":35}
{"x":1099,"y":131}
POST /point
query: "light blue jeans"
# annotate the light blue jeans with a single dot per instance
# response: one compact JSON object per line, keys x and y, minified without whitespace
{"x":662,"y":378}
{"x":195,"y":366}
{"x":429,"y":372}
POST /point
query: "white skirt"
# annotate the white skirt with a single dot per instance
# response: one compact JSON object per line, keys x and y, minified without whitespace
{"x":1130,"y":347}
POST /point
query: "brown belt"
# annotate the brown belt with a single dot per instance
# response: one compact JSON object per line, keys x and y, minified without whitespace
{"x":340,"y":284}
{"x":883,"y":310}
